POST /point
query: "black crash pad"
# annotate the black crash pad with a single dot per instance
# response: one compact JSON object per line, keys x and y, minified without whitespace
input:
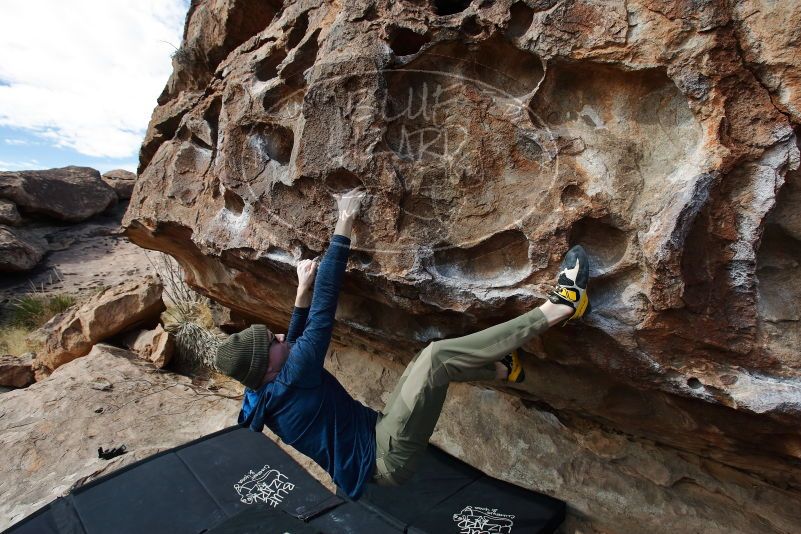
{"x":239,"y":481}
{"x":447,"y":495}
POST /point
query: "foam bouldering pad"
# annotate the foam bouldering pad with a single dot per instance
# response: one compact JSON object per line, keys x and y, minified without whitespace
{"x":201,"y":486}
{"x":239,"y":481}
{"x":447,"y":495}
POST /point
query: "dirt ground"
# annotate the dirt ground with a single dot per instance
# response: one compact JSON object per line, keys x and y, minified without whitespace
{"x":83,"y":258}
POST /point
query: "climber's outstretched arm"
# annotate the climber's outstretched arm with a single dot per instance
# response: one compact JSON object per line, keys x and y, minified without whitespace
{"x":306,"y":271}
{"x":306,"y":358}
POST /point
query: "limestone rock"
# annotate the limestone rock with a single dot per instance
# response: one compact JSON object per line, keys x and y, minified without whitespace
{"x":72,"y":333}
{"x":155,"y":345}
{"x":8,"y":213}
{"x":16,"y":371}
{"x":492,"y":136}
{"x":50,"y":431}
{"x":69,"y":194}
{"x":121,"y":181}
{"x":16,"y":252}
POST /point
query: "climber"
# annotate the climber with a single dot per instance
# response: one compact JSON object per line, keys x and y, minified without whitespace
{"x":288,"y":389}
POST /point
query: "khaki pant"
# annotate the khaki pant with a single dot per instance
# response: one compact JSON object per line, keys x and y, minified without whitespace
{"x":408,"y":420}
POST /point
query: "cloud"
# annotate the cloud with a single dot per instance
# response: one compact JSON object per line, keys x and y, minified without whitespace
{"x":18,"y":165}
{"x":17,"y":142}
{"x":85,"y":74}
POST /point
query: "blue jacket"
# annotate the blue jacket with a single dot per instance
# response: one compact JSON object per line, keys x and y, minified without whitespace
{"x":305,"y":405}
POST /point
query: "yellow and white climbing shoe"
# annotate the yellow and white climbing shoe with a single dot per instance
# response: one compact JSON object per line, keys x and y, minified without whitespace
{"x":571,"y":283}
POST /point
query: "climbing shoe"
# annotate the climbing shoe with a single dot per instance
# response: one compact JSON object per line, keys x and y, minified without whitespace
{"x":571,"y":283}
{"x":515,"y":367}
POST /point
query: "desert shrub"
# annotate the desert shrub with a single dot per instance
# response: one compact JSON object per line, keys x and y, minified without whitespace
{"x":188,"y":316}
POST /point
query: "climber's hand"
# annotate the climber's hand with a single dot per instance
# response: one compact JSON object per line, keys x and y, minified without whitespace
{"x":306,"y":271}
{"x":348,"y":205}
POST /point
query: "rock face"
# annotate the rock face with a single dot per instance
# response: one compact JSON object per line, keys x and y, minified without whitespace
{"x":50,"y":431}
{"x":16,"y":371}
{"x":72,"y":334}
{"x":121,"y":181}
{"x":491,"y":136}
{"x":69,"y":194}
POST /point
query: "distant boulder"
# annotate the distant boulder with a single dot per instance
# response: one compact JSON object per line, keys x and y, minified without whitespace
{"x":70,"y":194}
{"x":17,"y":253}
{"x":121,"y":181}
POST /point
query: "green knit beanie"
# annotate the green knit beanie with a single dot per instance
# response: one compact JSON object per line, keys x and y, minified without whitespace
{"x":244,"y":356}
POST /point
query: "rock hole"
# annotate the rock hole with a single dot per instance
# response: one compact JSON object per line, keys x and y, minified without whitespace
{"x":520,"y":17}
{"x":342,"y":180}
{"x":298,"y":31}
{"x":573,"y":196}
{"x":486,"y":3}
{"x":449,"y":7}
{"x":694,"y":383}
{"x":212,"y":117}
{"x":605,"y":244}
{"x":405,"y":42}
{"x":302,"y":59}
{"x":362,"y":258}
{"x":275,"y":142}
{"x":233,"y":202}
{"x":501,"y":260}
{"x":267,"y":69}
{"x":471,"y":27}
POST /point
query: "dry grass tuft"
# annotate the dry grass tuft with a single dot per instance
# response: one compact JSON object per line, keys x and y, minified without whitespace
{"x":29,"y":312}
{"x":12,"y":340}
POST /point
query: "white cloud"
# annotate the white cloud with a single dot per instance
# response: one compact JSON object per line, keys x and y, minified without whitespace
{"x":19,"y":165}
{"x":85,"y":74}
{"x":16,"y":142}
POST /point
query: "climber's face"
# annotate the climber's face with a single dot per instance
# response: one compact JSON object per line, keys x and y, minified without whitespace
{"x":279,"y":348}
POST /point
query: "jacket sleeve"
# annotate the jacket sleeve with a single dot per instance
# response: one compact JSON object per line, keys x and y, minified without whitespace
{"x":305,"y":364}
{"x":297,"y":324}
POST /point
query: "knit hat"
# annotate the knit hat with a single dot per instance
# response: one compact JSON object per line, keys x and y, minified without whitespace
{"x":244,"y":355}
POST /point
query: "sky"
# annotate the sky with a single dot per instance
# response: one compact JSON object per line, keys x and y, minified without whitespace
{"x":79,"y":79}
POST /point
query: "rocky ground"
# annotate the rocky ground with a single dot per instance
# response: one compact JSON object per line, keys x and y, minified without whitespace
{"x":82,"y":258}
{"x":50,"y":431}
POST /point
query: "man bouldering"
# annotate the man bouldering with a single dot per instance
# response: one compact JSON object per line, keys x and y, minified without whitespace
{"x":289,"y":391}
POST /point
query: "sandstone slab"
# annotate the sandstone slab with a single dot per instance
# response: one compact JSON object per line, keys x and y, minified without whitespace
{"x":68,"y":194}
{"x":16,"y":371}
{"x":50,"y":431}
{"x":72,"y":333}
{"x":121,"y":181}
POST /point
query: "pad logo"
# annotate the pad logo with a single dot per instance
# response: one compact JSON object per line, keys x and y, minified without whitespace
{"x":480,"y":520}
{"x":269,"y":486}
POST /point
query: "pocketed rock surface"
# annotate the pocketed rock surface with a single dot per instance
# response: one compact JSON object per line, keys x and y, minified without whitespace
{"x":491,"y":136}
